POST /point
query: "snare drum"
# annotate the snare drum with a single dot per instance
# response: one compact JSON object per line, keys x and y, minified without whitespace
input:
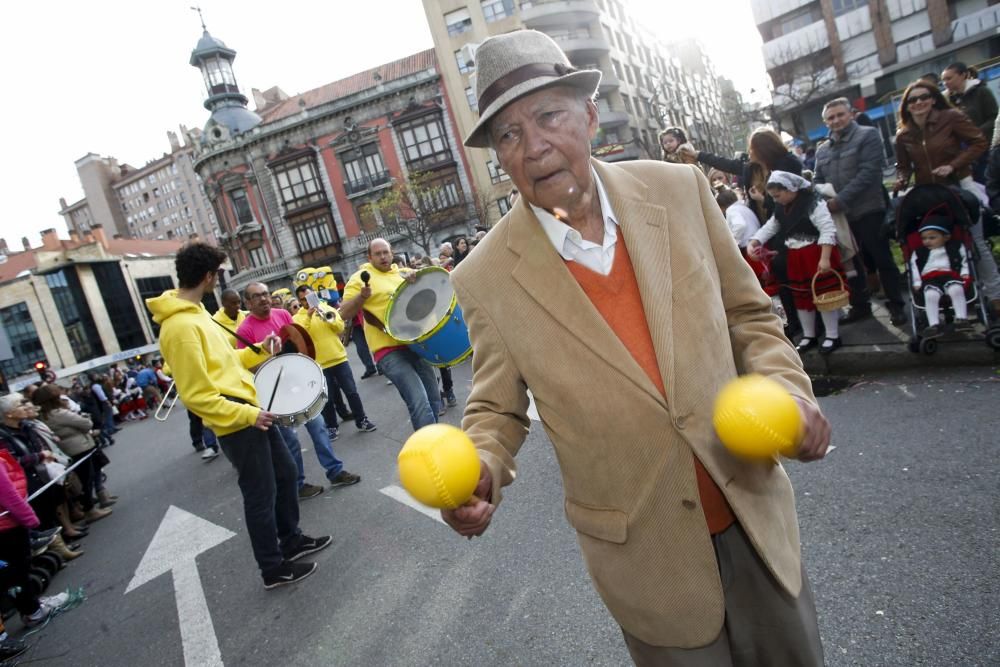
{"x":426,"y":316}
{"x":301,"y":393}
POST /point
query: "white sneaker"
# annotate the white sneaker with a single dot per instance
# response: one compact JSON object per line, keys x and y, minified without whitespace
{"x":54,"y":602}
{"x":209,"y":454}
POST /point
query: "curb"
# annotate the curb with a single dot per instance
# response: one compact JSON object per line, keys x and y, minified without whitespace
{"x":868,"y":358}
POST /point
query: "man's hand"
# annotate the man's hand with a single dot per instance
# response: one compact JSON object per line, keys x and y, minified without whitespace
{"x":409,"y":276}
{"x":473,"y":518}
{"x":834,"y":205}
{"x":264,"y":420}
{"x":815,"y":432}
{"x":365,"y":293}
{"x":271,"y":344}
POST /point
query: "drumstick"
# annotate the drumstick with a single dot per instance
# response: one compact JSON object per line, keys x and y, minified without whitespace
{"x":274,"y":392}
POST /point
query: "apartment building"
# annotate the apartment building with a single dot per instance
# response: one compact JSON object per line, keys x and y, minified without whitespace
{"x":647,"y":84}
{"x":868,"y":50}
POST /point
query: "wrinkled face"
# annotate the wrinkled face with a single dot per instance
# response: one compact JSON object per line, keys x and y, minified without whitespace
{"x":953,"y":81}
{"x":380,"y":255}
{"x":932,"y":238}
{"x":837,"y":117}
{"x":260,"y":300}
{"x":781,"y":195}
{"x":17,"y":413}
{"x":543,"y":143}
{"x":669,"y":143}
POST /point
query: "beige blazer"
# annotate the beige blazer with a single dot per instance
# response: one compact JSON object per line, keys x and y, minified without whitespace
{"x":626,"y":453}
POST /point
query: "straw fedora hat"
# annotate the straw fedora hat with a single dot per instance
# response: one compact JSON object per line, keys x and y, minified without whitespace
{"x":514,"y":64}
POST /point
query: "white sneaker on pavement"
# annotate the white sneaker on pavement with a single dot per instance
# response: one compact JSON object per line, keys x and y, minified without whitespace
{"x":209,"y":454}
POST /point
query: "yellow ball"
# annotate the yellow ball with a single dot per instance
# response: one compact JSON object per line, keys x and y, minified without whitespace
{"x":756,"y":418}
{"x":439,"y":466}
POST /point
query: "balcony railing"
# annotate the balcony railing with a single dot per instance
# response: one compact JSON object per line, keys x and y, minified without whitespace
{"x":261,"y":274}
{"x":542,"y":12}
{"x":366,"y":184}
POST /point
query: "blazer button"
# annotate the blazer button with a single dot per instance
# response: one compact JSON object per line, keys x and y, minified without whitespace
{"x":689,"y":504}
{"x":680,"y":421}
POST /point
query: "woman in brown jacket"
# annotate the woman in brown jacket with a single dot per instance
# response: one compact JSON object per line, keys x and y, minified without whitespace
{"x":935,"y":142}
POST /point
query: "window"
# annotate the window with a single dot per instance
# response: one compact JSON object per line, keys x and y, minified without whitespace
{"x":844,"y":6}
{"x":241,"y":206}
{"x":470,"y":97}
{"x":363,"y":168}
{"x":24,"y":342}
{"x":495,"y":10}
{"x":150,"y":287}
{"x":298,"y":182}
{"x":628,"y":102}
{"x":118,"y":303}
{"x":497,"y":174}
{"x":464,"y":66}
{"x":258,"y":257}
{"x":458,"y":21}
{"x":313,"y":231}
{"x":618,"y":68}
{"x":424,"y":142}
{"x":504,"y":205}
{"x":74,"y":313}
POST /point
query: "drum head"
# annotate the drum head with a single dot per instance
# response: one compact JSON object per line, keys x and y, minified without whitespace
{"x":301,"y":383}
{"x":416,"y":308}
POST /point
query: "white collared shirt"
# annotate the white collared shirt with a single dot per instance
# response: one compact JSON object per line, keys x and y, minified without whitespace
{"x":571,"y":245}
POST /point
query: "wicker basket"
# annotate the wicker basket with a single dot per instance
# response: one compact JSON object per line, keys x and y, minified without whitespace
{"x":831,"y":300}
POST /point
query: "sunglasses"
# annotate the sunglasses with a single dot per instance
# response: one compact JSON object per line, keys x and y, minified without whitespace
{"x":919,"y":98}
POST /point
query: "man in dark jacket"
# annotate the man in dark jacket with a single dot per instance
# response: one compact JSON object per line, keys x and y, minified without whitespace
{"x":851,"y":161}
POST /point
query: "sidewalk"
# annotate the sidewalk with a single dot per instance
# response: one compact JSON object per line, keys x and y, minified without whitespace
{"x":874,"y":345}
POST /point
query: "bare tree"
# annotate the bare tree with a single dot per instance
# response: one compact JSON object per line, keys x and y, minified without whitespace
{"x":803,"y":79}
{"x":423,"y":204}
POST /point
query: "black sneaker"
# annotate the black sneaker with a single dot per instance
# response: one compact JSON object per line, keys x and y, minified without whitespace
{"x":11,"y":648}
{"x":369,"y":374}
{"x":366,"y":425}
{"x":308,"y":545}
{"x":344,"y":478}
{"x":332,"y":433}
{"x":288,"y":573}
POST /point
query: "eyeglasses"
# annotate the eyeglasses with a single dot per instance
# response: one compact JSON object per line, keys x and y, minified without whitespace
{"x":919,"y":98}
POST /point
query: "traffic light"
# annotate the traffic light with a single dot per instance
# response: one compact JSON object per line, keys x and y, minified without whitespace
{"x":40,"y":368}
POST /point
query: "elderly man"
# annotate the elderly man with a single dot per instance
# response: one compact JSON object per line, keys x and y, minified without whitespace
{"x":851,"y":161}
{"x":369,"y":291}
{"x":616,"y":294}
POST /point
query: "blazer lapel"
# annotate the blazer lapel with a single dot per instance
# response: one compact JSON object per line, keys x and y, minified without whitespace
{"x":542,"y":272}
{"x":645,"y":231}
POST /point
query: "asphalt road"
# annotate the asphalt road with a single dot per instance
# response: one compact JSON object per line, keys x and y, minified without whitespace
{"x":899,"y":528}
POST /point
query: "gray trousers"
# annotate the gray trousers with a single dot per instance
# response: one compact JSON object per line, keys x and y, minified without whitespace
{"x":764,"y":625}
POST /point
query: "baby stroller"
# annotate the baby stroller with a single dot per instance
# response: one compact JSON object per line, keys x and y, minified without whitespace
{"x":963,"y":209}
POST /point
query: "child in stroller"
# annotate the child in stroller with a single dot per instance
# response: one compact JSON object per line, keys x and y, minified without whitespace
{"x":940,"y":266}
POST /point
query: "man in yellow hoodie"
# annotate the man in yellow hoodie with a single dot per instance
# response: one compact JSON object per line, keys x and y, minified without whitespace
{"x":412,"y":376}
{"x":231,"y":315}
{"x":213,"y":378}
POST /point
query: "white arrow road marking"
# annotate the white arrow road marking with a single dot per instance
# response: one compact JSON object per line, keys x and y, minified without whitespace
{"x":174,"y":548}
{"x":399,"y":493}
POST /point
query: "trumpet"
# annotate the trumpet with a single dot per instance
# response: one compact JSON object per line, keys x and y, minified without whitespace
{"x":168,"y":402}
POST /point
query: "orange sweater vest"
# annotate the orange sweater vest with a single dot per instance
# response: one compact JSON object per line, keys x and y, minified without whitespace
{"x":616,"y":297}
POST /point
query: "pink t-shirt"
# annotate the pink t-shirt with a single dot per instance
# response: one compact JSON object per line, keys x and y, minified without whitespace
{"x":255,"y":330}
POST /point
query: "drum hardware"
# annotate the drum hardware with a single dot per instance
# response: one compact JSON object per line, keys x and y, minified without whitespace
{"x":424,"y":314}
{"x":168,"y":402}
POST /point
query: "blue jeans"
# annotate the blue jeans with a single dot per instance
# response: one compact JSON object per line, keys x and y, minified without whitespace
{"x":321,"y":443}
{"x":266,"y":475}
{"x":361,"y":345}
{"x":341,"y":378}
{"x":415,"y":381}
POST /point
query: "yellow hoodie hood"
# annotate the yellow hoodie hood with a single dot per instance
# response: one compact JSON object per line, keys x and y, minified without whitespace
{"x":206,"y":369}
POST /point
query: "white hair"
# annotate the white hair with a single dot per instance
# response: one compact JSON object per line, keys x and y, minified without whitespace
{"x":10,"y":402}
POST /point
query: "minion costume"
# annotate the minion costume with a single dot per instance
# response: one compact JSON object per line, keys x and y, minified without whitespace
{"x":322,"y":281}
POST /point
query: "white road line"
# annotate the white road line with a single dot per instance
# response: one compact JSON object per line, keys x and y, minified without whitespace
{"x":398,"y":493}
{"x":906,"y":392}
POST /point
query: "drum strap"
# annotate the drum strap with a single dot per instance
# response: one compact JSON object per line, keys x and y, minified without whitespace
{"x":370,"y":319}
{"x":255,"y":348}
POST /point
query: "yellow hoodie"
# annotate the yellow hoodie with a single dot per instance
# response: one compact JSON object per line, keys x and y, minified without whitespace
{"x":233,"y":325}
{"x":325,"y":334}
{"x":205,"y":366}
{"x":383,"y":284}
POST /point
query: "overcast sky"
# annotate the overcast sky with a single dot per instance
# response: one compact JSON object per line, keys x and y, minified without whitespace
{"x":112,"y":76}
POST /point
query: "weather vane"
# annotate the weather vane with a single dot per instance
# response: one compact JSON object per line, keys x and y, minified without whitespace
{"x":200,"y":17}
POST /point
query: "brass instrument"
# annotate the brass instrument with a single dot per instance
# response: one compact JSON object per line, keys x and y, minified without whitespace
{"x":168,"y":402}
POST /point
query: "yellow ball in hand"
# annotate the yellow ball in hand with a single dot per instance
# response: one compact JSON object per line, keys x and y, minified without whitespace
{"x":439,"y":466}
{"x":756,"y":418}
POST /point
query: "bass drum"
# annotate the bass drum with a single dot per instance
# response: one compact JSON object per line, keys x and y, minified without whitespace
{"x":425,"y":315}
{"x":293,"y":386}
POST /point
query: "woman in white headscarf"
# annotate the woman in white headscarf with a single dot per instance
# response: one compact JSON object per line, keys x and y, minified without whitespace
{"x":803,"y":220}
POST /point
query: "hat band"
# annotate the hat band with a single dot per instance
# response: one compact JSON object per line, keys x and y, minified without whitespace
{"x":519,"y":76}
